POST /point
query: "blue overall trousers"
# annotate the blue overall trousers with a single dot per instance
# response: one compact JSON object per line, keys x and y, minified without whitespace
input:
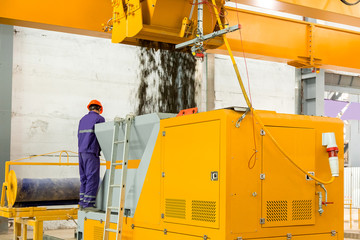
{"x":89,"y":160}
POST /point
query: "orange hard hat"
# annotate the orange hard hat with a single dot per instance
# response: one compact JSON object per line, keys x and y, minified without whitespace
{"x":95,"y":102}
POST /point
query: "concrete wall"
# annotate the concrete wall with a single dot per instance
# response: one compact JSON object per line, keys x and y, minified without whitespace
{"x":272,"y":84}
{"x":54,"y":77}
{"x":56,"y":74}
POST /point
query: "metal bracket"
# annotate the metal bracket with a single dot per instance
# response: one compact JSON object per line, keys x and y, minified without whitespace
{"x":262,"y":132}
{"x":127,"y":212}
{"x":288,"y":236}
{"x":262,"y":220}
{"x":118,"y":120}
{"x":333,"y":233}
{"x":321,"y":210}
{"x":208,"y":36}
{"x":130,"y":118}
{"x":241,"y":118}
{"x":214,"y":176}
{"x":308,"y":178}
{"x":262,"y":176}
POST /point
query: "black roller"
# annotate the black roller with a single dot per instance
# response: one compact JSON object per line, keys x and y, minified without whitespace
{"x":36,"y":192}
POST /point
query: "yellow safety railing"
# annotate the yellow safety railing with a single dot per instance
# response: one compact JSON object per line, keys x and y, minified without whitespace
{"x":46,"y":154}
{"x":348,"y":202}
{"x":17,"y":162}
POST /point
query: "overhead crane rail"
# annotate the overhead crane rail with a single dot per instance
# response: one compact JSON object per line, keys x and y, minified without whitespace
{"x":265,"y":36}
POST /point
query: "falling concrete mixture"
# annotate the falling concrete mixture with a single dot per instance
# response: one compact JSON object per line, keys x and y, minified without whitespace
{"x":167,"y":79}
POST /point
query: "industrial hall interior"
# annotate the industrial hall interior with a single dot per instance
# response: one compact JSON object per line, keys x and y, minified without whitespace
{"x":180,"y":120}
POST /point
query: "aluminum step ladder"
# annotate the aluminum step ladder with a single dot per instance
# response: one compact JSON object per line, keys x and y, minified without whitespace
{"x":122,"y":186}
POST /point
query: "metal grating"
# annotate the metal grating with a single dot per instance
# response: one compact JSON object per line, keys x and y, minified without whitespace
{"x":301,"y":210}
{"x":276,"y":211}
{"x":98,"y":232}
{"x":175,"y":208}
{"x":203,"y":211}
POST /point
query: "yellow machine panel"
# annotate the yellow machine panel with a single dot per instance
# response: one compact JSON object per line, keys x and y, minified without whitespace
{"x":193,"y":169}
{"x":284,"y":203}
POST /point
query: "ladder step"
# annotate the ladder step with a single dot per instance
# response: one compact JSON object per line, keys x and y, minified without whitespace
{"x":117,"y":164}
{"x":122,"y":184}
{"x":113,"y":208}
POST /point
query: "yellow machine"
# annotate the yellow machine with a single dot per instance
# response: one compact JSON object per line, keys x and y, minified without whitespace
{"x":233,"y":174}
{"x":218,"y":175}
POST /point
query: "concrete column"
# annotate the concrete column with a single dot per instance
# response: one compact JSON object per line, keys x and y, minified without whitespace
{"x":298,"y":90}
{"x":210,"y":81}
{"x":6,"y":63}
{"x":354,"y":141}
{"x":313,"y":88}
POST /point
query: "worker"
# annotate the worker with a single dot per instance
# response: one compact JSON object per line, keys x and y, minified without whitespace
{"x":89,"y":156}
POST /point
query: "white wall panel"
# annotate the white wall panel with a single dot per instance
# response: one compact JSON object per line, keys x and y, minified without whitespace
{"x":352,"y":185}
{"x":272,"y":84}
{"x":55,"y":76}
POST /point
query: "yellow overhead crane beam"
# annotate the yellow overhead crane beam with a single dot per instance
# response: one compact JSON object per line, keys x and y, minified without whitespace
{"x":300,"y":43}
{"x":267,"y":37}
{"x":328,"y":10}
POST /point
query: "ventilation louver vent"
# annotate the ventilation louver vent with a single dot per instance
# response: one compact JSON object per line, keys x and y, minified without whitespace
{"x":98,"y":232}
{"x":175,"y":208}
{"x":276,"y":211}
{"x":203,"y":211}
{"x":301,"y":210}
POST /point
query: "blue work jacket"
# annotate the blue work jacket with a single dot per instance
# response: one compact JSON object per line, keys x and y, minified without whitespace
{"x":86,"y":135}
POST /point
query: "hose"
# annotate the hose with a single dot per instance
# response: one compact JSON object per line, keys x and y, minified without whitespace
{"x":350,"y":4}
{"x":256,"y":116}
{"x":285,"y":154}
